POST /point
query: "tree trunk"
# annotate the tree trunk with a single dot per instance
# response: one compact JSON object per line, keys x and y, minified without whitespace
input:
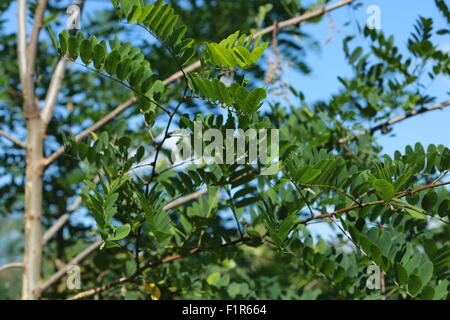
{"x":33,"y":210}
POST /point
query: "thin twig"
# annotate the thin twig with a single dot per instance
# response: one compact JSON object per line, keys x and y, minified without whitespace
{"x":13,"y":139}
{"x":75,"y":261}
{"x":153,"y":264}
{"x":11,"y":265}
{"x":34,"y":41}
{"x":383,"y":126}
{"x":109,"y":117}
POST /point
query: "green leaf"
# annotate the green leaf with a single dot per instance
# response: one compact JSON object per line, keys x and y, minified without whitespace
{"x":384,"y":189}
{"x":415,"y":214}
{"x":306,"y":174}
{"x":246,"y":202}
{"x":213,"y":278}
{"x":355,"y":55}
{"x":414,"y":284}
{"x":63,"y":42}
{"x":429,"y":200}
{"x":121,"y":232}
{"x":111,"y":62}
{"x":425,"y":272}
{"x":427,"y":293}
{"x":98,"y":56}
{"x":86,"y":51}
{"x":73,"y":48}
{"x":441,"y":291}
{"x":401,"y":275}
{"x":244,"y":192}
{"x":123,"y":68}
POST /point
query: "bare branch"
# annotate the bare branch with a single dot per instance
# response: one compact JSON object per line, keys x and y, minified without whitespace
{"x":109,"y":117}
{"x":55,"y":228}
{"x":60,"y":222}
{"x":52,"y":92}
{"x":183,"y":200}
{"x":63,"y":219}
{"x":13,"y":139}
{"x":80,"y":257}
{"x":34,"y":41}
{"x":307,"y":16}
{"x":55,"y":86}
{"x":11,"y":265}
{"x":153,"y":264}
{"x":383,"y":126}
{"x":22,"y":38}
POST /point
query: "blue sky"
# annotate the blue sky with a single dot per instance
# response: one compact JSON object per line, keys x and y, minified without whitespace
{"x":397,"y":18}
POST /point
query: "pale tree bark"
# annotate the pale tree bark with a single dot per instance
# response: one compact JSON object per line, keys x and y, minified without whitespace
{"x":34,"y":157}
{"x":36,"y":125}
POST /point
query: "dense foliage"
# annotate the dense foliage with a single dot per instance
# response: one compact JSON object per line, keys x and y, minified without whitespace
{"x":224,"y":231}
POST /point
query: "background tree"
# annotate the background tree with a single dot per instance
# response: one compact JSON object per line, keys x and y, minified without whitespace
{"x":97,"y":110}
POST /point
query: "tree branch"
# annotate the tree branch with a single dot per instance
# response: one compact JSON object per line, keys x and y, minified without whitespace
{"x":109,"y":117}
{"x":13,"y":139}
{"x":63,"y":219}
{"x":367,"y":204}
{"x":183,"y":200}
{"x":22,"y":38}
{"x":383,"y":126}
{"x":34,"y":41}
{"x":55,"y":86}
{"x":11,"y":265}
{"x":80,"y":257}
{"x":153,"y":264}
{"x":52,"y":93}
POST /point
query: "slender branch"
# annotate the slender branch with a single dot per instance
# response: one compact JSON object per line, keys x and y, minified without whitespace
{"x":383,"y":126}
{"x":367,"y":204}
{"x":296,"y":20}
{"x":55,"y":85}
{"x":153,"y":264}
{"x":22,"y":38}
{"x":13,"y":139}
{"x":238,"y":224}
{"x":53,"y":92}
{"x":183,"y":200}
{"x":304,"y":199}
{"x":443,"y":174}
{"x":11,"y":265}
{"x":80,"y":257}
{"x":109,"y":117}
{"x":63,"y":219}
{"x":55,"y":228}
{"x":166,"y":135}
{"x":34,"y":41}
